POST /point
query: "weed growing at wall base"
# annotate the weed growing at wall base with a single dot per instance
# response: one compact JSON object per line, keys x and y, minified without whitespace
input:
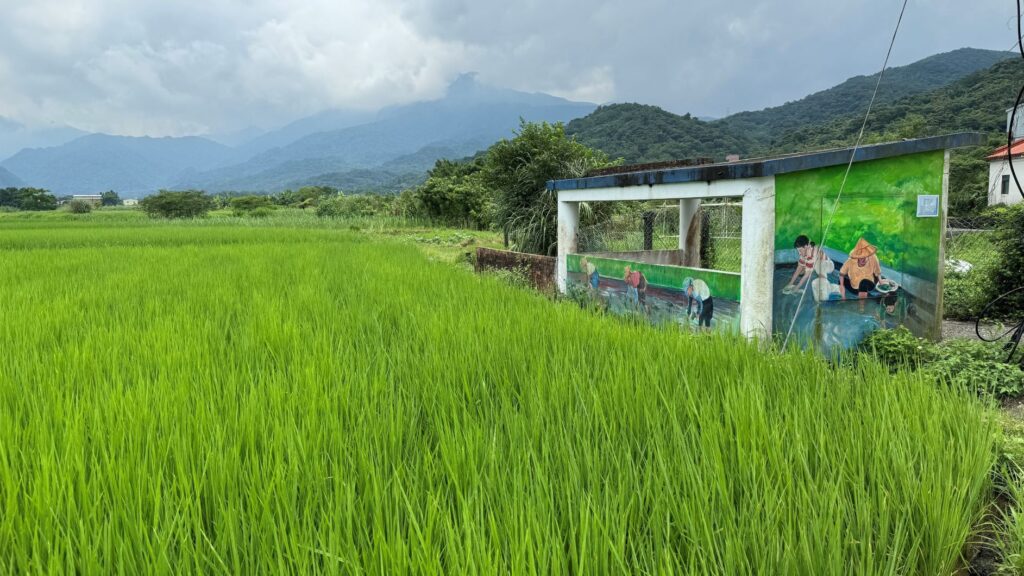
{"x":182,"y":398}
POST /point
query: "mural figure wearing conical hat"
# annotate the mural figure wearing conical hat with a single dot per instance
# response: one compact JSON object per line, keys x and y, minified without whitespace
{"x":862,"y":272}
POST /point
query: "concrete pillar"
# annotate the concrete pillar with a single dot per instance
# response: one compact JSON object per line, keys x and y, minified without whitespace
{"x":689,"y":235}
{"x":935,"y":330}
{"x":568,"y":224}
{"x":687,"y":210}
{"x":758,"y":265}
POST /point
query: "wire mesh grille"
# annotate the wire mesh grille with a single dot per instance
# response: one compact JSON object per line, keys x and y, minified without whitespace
{"x":656,"y":227}
{"x":969,"y":248}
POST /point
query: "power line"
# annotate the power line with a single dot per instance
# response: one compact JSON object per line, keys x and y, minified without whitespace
{"x":853,"y":155}
{"x":1016,"y":105}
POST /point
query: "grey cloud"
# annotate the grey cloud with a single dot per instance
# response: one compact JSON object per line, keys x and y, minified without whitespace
{"x":193,"y":66}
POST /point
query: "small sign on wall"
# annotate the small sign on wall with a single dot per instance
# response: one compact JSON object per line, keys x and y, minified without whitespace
{"x":927,"y":206}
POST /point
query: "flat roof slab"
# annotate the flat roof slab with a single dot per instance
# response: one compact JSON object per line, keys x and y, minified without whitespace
{"x":760,"y":167}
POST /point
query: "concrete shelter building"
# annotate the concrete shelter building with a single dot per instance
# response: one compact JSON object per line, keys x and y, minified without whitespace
{"x":821,"y":272}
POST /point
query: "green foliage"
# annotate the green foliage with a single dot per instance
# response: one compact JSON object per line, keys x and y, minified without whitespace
{"x":848,"y":101}
{"x":261,"y":212}
{"x":968,"y":176}
{"x":1008,"y":242}
{"x":455,"y":193}
{"x":356,"y":206}
{"x":519,"y":169}
{"x":515,"y":277}
{"x":1010,"y":534}
{"x":79,"y":207}
{"x":827,"y":118}
{"x":275,"y":399}
{"x":962,"y":90}
{"x":110,"y":198}
{"x":977,"y":366}
{"x":168,"y":204}
{"x":898,"y":348}
{"x":33,"y":199}
{"x":246,"y":205}
{"x":306,"y":197}
{"x":639,"y":133}
{"x":965,"y":364}
{"x":966,"y":294}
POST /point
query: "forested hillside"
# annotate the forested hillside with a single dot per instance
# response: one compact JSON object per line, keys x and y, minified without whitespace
{"x":852,"y":96}
{"x":976,"y":101}
{"x":640,"y":133}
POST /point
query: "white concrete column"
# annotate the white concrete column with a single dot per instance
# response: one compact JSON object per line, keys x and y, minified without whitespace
{"x":758,"y":265}
{"x":568,"y":224}
{"x":935,"y":331}
{"x":687,"y":210}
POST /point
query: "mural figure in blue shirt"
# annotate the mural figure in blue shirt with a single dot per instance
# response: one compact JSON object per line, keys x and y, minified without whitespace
{"x":697,"y":292}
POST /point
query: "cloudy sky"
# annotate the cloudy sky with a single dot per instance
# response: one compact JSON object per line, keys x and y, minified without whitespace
{"x":161,"y":67}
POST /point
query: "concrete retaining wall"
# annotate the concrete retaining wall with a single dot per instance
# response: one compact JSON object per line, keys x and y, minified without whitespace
{"x":539,"y":269}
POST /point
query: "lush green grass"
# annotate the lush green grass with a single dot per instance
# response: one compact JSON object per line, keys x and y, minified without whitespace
{"x":180,"y":398}
{"x":965,"y":294}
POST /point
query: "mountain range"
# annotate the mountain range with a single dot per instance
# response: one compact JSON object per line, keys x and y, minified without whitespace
{"x":8,"y":180}
{"x":641,"y":133}
{"x":391,"y":149}
{"x":349,"y":150}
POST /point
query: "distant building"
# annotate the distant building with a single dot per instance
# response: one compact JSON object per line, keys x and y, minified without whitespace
{"x":130,"y":201}
{"x":1001,"y":187}
{"x":94,"y":199}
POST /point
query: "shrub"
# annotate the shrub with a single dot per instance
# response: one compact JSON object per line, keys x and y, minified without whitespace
{"x":79,"y":207}
{"x":261,"y":212}
{"x":518,"y":170}
{"x":977,"y":366}
{"x":306,"y":197}
{"x":167,"y":204}
{"x":898,"y":348}
{"x":1009,"y":243}
{"x":969,"y":364}
{"x":965,"y":295}
{"x":355,"y":206}
{"x":455,"y":193}
{"x":244,"y":205}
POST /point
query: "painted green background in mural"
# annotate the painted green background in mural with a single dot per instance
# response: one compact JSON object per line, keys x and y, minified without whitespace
{"x":722,"y":284}
{"x":879,"y":204}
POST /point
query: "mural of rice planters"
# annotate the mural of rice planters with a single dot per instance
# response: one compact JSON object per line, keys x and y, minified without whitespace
{"x":690,"y":297}
{"x":880,"y":264}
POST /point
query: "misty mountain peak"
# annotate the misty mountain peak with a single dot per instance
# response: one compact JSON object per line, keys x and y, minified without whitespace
{"x":464,"y":86}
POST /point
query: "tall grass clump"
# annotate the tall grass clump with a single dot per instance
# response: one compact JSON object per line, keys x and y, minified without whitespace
{"x":194,"y":399}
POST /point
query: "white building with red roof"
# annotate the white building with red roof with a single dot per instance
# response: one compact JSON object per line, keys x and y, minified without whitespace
{"x":1001,"y":187}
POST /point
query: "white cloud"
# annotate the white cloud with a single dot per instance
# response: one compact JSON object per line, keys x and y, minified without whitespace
{"x":189,"y":66}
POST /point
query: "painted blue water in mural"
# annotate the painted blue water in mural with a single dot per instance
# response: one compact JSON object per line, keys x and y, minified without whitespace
{"x":833,"y":323}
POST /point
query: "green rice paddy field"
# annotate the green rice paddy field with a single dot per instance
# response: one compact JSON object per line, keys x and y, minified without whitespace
{"x":250,"y":400}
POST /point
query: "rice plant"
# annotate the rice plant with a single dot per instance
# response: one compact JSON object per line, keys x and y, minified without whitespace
{"x":247,"y":400}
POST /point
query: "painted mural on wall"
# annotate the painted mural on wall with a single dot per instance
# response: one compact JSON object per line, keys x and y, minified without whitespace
{"x":880,"y":263}
{"x":693,"y":298}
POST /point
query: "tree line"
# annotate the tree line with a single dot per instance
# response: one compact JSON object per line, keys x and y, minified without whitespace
{"x":503,"y":188}
{"x":38,"y":199}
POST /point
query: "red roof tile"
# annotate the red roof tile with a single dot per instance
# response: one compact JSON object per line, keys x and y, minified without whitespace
{"x":1000,"y":153}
